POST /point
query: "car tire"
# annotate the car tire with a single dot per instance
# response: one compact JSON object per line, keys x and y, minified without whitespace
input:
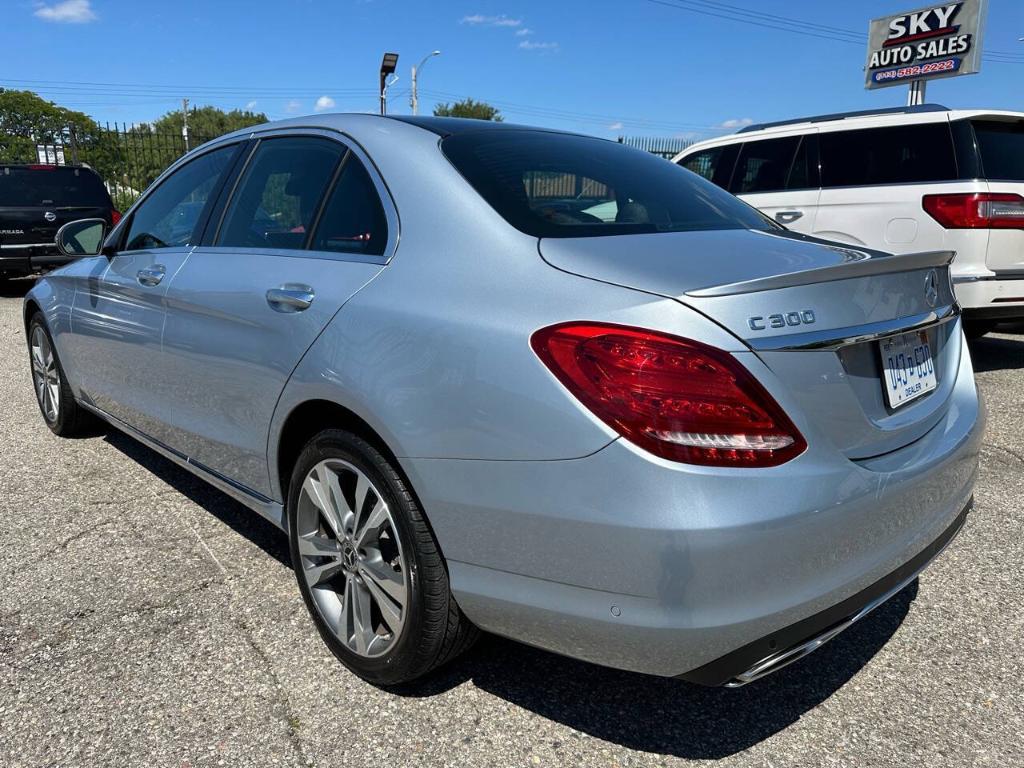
{"x":61,"y":412}
{"x":975,"y":329}
{"x":369,"y":568}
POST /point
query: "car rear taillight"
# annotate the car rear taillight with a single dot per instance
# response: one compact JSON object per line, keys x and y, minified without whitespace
{"x":115,"y":216}
{"x":679,"y":399}
{"x":981,"y":210}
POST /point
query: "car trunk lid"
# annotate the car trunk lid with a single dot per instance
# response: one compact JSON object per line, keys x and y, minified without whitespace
{"x":814,"y":312}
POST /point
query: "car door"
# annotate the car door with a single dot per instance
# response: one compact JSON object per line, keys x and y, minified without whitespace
{"x":304,"y":229}
{"x":118,"y":315}
{"x":779,"y":177}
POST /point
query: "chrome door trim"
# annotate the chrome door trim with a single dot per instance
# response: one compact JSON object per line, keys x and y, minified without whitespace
{"x":836,"y":338}
{"x":266,"y":507}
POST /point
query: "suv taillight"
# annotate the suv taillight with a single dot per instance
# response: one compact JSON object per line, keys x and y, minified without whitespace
{"x":679,"y":399}
{"x":981,"y":210}
{"x":115,"y":216}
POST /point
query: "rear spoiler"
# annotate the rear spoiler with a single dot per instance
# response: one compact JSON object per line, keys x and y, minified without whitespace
{"x":856,"y":263}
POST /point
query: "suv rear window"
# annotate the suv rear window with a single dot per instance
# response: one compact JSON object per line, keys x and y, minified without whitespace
{"x":51,"y":185}
{"x":1001,"y":146}
{"x":560,"y":185}
{"x":903,"y":154}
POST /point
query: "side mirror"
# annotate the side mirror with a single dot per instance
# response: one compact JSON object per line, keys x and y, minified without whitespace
{"x":81,"y":238}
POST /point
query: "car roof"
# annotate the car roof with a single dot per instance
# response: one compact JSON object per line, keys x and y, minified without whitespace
{"x":925,"y":113}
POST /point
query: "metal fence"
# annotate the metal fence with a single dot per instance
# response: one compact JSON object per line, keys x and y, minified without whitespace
{"x":666,"y":147}
{"x":127,"y":157}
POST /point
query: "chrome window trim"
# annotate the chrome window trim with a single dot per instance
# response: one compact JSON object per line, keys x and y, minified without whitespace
{"x":383,"y":193}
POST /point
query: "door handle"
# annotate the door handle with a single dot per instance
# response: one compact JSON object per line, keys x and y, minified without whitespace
{"x":290,"y":297}
{"x":788,"y":217}
{"x":151,"y":276}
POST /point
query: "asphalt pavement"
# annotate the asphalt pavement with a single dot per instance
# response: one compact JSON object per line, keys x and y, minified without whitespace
{"x":148,"y":620}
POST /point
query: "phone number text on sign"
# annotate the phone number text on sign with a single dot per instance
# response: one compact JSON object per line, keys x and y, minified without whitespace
{"x":917,"y":70}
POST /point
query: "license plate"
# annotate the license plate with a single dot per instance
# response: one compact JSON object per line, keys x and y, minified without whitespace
{"x":908,"y":370}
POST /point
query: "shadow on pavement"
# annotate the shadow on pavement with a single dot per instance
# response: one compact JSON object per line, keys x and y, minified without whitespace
{"x":997,"y":352}
{"x":17,"y":288}
{"x":636,"y":711}
{"x":230,"y":512}
{"x":662,"y":715}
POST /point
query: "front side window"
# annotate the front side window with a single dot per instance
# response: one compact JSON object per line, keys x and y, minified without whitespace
{"x":560,"y":185}
{"x":905,"y":154}
{"x":763,"y":166}
{"x":1001,"y":146}
{"x":167,"y":218}
{"x":353,"y":219}
{"x":279,"y":193}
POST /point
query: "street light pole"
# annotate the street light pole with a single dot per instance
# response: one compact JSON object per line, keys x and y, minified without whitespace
{"x":387,"y":67}
{"x":414,"y":100}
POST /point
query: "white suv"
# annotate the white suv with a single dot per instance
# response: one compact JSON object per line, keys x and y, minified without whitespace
{"x":900,"y":180}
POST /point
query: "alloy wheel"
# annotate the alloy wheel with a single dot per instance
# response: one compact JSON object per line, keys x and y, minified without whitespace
{"x":45,"y":374}
{"x":352,"y":557}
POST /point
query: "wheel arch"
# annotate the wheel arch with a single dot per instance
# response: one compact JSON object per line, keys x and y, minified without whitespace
{"x":29,"y":311}
{"x":309,"y":418}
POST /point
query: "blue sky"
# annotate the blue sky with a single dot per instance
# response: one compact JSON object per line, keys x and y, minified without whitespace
{"x":634,"y":67}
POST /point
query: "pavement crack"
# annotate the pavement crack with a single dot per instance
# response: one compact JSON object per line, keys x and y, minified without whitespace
{"x":63,"y":545}
{"x":287,"y":715}
{"x":1016,"y":455}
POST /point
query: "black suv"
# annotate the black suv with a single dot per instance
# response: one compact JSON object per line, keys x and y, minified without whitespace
{"x":35,"y":200}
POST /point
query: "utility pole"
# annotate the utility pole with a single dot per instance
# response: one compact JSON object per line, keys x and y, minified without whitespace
{"x":184,"y":122}
{"x":414,"y":96}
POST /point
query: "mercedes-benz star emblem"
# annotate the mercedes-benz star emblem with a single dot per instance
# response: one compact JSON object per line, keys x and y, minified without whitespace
{"x":50,"y":216}
{"x":931,"y":287}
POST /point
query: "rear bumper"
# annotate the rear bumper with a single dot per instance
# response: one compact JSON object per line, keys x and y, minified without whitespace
{"x":991,"y":297}
{"x":25,"y":259}
{"x":770,"y":654}
{"x":632,"y":562}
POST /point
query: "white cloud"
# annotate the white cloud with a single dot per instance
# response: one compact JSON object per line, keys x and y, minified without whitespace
{"x":736,"y":122}
{"x":293,"y":106}
{"x":479,"y":20}
{"x":251,"y":106}
{"x":524,"y":32}
{"x":530,"y":45}
{"x":324,"y":103}
{"x":616,"y":126}
{"x":67,"y":12}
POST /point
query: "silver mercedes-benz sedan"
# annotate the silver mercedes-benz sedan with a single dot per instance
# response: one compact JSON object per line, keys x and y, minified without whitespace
{"x":535,"y":383}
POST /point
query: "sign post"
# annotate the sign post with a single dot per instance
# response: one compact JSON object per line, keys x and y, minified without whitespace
{"x":914,"y":47}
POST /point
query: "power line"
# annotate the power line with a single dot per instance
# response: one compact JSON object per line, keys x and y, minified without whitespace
{"x":795,"y":26}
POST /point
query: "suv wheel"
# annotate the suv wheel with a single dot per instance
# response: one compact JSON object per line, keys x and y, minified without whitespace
{"x":367,"y":563}
{"x":62,"y":414}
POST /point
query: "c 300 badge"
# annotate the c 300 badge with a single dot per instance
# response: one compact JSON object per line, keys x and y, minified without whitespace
{"x":782,"y":320}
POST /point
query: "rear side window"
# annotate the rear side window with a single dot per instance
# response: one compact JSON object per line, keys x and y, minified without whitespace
{"x":763,"y":166}
{"x":715,"y":164}
{"x":1001,"y":146}
{"x":279,"y":193}
{"x":353,"y":219}
{"x":559,"y":185}
{"x":168,"y":216}
{"x":51,"y":185}
{"x":903,"y":154}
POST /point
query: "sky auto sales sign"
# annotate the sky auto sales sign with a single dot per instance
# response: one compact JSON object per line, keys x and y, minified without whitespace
{"x":938,"y":41}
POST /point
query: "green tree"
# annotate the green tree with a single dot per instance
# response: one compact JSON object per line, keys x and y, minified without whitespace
{"x":476,"y":110}
{"x":207,"y":123}
{"x":26,"y":120}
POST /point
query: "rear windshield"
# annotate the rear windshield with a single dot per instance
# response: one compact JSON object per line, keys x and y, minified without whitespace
{"x":1002,"y":149}
{"x":51,"y":185}
{"x":556,"y":185}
